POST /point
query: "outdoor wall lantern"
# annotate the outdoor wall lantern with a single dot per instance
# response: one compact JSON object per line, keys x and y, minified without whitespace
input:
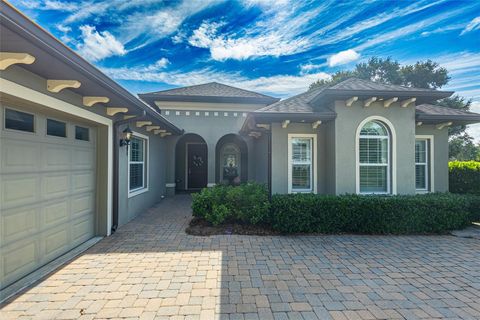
{"x":126,"y":137}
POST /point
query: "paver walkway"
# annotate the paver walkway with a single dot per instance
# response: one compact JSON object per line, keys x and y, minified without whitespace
{"x":150,"y":269}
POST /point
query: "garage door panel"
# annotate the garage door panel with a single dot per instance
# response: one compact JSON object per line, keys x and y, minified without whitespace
{"x":83,"y":158}
{"x":56,"y":213}
{"x":19,"y":190}
{"x":19,"y":259}
{"x":57,"y":158}
{"x":17,"y":224}
{"x":84,"y":181}
{"x":83,"y":205}
{"x":82,"y":229}
{"x":54,"y":186}
{"x":19,"y":156}
{"x":55,"y":242}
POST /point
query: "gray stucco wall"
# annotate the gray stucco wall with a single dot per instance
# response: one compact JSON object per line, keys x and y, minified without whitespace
{"x":440,"y":160}
{"x":280,"y":155}
{"x":260,"y":159}
{"x":403,"y":125}
{"x":129,"y":208}
{"x":211,"y":128}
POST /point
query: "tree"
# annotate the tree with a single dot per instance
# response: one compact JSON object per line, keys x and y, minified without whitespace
{"x":463,"y":148}
{"x":426,"y":74}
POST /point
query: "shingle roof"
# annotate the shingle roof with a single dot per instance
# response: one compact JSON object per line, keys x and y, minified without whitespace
{"x":211,"y":89}
{"x":356,"y":84}
{"x":304,"y":102}
{"x":298,"y":103}
{"x":430,"y":110}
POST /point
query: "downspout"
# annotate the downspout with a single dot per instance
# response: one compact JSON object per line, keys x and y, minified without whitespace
{"x":270,"y":164}
{"x":116,"y":161}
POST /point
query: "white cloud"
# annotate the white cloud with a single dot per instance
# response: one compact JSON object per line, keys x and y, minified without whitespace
{"x":343,"y":57}
{"x":279,"y":85}
{"x":473,"y":25}
{"x":99,"y":45}
{"x":50,"y":5}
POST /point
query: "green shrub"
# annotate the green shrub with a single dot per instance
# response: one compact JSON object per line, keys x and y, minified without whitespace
{"x":464,"y":177}
{"x":431,"y":213}
{"x":246,"y":203}
{"x":218,"y":214}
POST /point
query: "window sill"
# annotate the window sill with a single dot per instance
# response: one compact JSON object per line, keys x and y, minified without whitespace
{"x":422,"y":191}
{"x":136,"y":192}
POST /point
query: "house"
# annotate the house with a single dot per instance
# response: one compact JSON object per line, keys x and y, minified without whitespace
{"x":356,"y":136}
{"x":81,"y":156}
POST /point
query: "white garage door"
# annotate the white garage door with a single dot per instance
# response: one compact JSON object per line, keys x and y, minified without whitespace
{"x":47,"y":189}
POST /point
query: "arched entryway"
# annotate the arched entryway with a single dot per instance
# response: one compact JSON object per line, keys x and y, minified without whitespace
{"x":191,"y":159}
{"x":231,"y":155}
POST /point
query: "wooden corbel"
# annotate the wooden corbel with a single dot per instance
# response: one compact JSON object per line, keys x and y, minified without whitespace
{"x":58,"y":85}
{"x":114,"y":111}
{"x":369,"y":101}
{"x":316,"y":124}
{"x":350,"y":101}
{"x":10,"y":58}
{"x":388,"y":102}
{"x":140,"y":124}
{"x":90,"y":101}
{"x":150,"y":128}
{"x":406,"y":103}
{"x":443,"y":125}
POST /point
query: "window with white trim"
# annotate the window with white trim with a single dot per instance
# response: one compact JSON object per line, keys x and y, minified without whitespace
{"x":301,"y":164}
{"x":374,"y":158}
{"x":137,"y":164}
{"x":422,"y":164}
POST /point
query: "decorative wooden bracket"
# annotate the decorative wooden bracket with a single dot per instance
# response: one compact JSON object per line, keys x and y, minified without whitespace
{"x":285,"y":124}
{"x":143,"y":123}
{"x":419,"y":123}
{"x":128,"y":116}
{"x":90,"y":101}
{"x":406,"y":103}
{"x":114,"y":111}
{"x":58,"y":85}
{"x":150,"y":128}
{"x":443,"y":125}
{"x":10,"y":58}
{"x":159,"y":131}
{"x":164,"y":134}
{"x":388,"y":102}
{"x":369,"y":101}
{"x":265,"y":126}
{"x":255,"y":134}
{"x":350,"y":101}
{"x":316,"y":124}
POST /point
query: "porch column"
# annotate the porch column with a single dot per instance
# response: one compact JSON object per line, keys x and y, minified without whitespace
{"x":211,"y":164}
{"x":170,"y":166}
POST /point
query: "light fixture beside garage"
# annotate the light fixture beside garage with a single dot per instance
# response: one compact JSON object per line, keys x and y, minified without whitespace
{"x":126,"y":137}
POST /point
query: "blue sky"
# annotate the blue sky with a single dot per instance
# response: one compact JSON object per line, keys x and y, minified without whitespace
{"x":276,"y":47}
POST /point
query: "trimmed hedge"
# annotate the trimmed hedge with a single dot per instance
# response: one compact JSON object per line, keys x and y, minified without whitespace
{"x":247,"y":203}
{"x":431,"y":213}
{"x":464,"y":177}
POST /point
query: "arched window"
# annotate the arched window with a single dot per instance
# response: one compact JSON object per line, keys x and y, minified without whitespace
{"x":374,"y":158}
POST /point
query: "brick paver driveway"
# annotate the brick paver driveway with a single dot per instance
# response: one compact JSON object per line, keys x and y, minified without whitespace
{"x":151,"y":269}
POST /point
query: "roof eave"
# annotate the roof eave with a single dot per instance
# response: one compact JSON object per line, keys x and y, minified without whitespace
{"x":151,"y":98}
{"x":340,"y":93}
{"x":254,"y":118}
{"x":456,"y":119}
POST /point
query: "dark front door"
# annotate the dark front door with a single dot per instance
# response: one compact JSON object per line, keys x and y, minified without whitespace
{"x":196,"y":166}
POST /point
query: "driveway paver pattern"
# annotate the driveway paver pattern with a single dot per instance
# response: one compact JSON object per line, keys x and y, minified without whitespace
{"x":150,"y":269}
